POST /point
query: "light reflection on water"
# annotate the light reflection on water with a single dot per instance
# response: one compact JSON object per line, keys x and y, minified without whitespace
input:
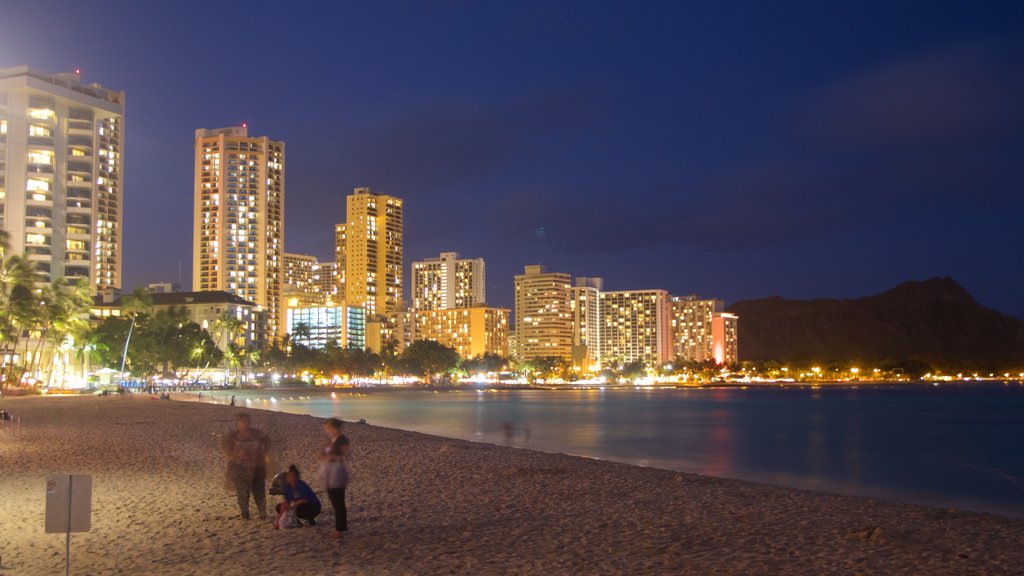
{"x":948,"y":446}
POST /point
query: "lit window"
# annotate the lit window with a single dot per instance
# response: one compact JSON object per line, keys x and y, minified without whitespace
{"x":35,"y":184}
{"x":40,"y":157}
{"x":41,"y":113}
{"x":35,"y":239}
{"x":39,"y":131}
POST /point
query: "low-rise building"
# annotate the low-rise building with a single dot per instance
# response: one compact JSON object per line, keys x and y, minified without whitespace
{"x":472,"y":332}
{"x":210,"y":309}
{"x":327,"y":325}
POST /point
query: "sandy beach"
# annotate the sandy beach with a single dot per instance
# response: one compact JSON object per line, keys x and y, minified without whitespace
{"x":420,"y":504}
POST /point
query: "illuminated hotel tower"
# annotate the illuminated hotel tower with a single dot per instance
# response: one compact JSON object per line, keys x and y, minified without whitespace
{"x":369,"y":253}
{"x":543,"y":314}
{"x":61,"y":153}
{"x":239,"y":218}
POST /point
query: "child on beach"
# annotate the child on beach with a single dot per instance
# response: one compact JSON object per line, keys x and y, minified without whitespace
{"x":300,"y":497}
{"x":336,"y":473}
{"x":246,"y":451}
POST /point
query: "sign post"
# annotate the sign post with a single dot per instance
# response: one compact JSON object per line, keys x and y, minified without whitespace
{"x":68,"y":508}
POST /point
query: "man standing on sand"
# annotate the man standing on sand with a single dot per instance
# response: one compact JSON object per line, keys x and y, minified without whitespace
{"x":246,"y":451}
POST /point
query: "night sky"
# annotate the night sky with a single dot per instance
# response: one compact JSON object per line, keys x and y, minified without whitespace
{"x":730,"y":149}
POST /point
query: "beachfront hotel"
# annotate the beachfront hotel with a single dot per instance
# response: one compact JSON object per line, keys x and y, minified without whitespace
{"x":724,"y":337}
{"x":585,"y":303}
{"x":208,"y":309}
{"x":692,"y":327}
{"x":635,"y":326}
{"x":472,"y":332}
{"x":239,"y":218}
{"x":61,"y":153}
{"x":331,"y":324}
{"x":543,"y":317}
{"x":448,"y":282}
{"x":369,"y":250}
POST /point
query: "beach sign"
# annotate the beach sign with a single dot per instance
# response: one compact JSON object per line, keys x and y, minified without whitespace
{"x":68,"y":503}
{"x":68,"y":508}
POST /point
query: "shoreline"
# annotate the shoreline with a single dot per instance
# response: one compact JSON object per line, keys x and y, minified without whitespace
{"x":422,"y":503}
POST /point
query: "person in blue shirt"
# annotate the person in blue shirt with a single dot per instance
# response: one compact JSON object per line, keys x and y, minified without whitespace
{"x":300,"y":497}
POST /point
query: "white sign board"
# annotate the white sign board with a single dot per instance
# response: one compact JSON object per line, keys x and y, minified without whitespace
{"x":68,"y":503}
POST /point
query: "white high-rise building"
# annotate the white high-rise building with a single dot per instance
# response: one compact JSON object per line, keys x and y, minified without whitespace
{"x":448,"y":282}
{"x":61,"y":155}
{"x":635,"y":325}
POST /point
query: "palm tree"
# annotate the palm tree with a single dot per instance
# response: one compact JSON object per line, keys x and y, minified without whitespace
{"x":19,"y":305}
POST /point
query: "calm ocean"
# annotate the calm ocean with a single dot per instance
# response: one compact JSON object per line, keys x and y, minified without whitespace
{"x":951,"y":446}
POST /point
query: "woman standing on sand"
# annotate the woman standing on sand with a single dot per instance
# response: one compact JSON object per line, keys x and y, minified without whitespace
{"x":336,"y":473}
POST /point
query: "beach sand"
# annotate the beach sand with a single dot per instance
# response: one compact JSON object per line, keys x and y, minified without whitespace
{"x":420,"y":504}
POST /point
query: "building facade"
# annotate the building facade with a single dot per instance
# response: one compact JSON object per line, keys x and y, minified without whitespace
{"x":209,"y":309}
{"x":472,"y":332}
{"x":448,"y":282}
{"x":61,"y":174}
{"x":543,"y":316}
{"x":635,"y":326}
{"x":369,"y":247}
{"x":326,"y":281}
{"x":692,"y":327}
{"x":327,"y":325}
{"x":725,"y":338}
{"x":586,"y":304}
{"x":239,"y":218}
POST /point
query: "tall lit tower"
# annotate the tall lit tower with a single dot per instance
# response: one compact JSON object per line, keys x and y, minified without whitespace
{"x":448,"y":282}
{"x":239,"y":218}
{"x":369,"y":253}
{"x":61,"y":156}
{"x":543,"y":314}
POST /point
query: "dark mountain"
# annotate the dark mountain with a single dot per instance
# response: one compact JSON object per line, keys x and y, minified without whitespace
{"x":935,"y":321}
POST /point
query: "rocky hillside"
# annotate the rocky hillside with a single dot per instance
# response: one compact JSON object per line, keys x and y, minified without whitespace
{"x":935,"y":321}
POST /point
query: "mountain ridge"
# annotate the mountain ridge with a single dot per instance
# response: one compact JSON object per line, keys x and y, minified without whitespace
{"x":935,"y":321}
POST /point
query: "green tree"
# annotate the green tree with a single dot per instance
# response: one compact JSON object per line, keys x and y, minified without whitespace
{"x":428,"y":358}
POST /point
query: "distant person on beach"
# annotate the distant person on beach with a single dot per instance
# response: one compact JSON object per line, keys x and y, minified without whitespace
{"x":232,"y":400}
{"x":509,"y":430}
{"x":246,"y":451}
{"x":336,"y":473}
{"x":300,"y":497}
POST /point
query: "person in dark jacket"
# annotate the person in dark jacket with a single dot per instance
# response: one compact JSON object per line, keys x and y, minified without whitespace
{"x":300,"y":497}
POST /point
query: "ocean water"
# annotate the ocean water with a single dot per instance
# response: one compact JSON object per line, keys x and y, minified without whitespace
{"x":950,"y":446}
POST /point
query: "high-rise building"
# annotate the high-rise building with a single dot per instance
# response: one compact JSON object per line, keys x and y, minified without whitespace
{"x":300,"y":278}
{"x":448,"y":282}
{"x":691,"y":327}
{"x":636,"y":325}
{"x":472,"y":332}
{"x":61,"y":156}
{"x":543,"y":317}
{"x":326,"y":281}
{"x":239,"y":218}
{"x":725,"y":338}
{"x":369,"y":248}
{"x":586,"y":303}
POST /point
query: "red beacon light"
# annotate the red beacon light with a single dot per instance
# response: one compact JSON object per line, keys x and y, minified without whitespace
{"x":245,"y":125}
{"x":78,"y":70}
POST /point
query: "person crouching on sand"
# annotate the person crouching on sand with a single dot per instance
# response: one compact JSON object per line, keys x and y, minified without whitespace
{"x":336,"y":473}
{"x":246,"y":451}
{"x":300,"y":497}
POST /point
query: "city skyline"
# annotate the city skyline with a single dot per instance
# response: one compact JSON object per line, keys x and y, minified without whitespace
{"x":774,"y":172}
